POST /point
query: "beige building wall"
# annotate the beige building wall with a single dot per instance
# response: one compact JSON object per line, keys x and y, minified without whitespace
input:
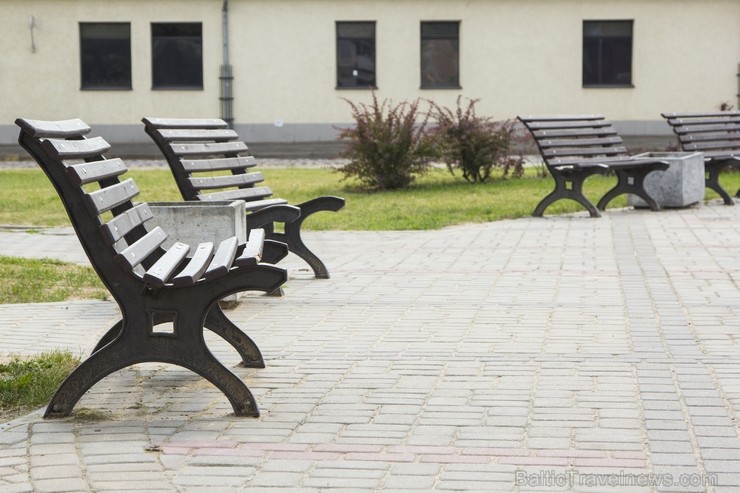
{"x":46,"y":83}
{"x":516,"y":56}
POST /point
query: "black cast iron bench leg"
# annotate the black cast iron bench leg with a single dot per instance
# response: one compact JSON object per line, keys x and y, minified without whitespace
{"x":136,"y":346}
{"x":713,"y":169}
{"x":292,"y":233}
{"x":632,"y":181}
{"x":218,"y":323}
{"x":564,"y":191}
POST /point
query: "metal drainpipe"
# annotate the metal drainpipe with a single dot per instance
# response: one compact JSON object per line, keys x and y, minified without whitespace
{"x":226,"y":77}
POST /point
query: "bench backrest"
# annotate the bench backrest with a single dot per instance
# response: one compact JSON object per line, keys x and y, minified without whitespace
{"x":717,"y":135}
{"x":98,"y":201}
{"x":206,"y":159}
{"x":567,"y":140}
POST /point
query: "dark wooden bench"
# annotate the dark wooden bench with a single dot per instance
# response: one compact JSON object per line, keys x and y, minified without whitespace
{"x":179,"y":286}
{"x":575,"y":147}
{"x":717,"y":135}
{"x":207,"y":161}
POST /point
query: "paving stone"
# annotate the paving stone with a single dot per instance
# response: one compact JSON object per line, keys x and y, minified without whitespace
{"x":444,"y":360}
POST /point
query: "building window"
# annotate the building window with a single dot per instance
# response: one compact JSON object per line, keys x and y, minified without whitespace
{"x":440,"y":55}
{"x":105,"y":55}
{"x":356,"y":54}
{"x":177,"y":56}
{"x":607,"y":53}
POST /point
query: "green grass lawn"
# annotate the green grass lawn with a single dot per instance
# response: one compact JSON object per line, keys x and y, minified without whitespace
{"x":436,"y":200}
{"x":28,"y":383}
{"x":45,"y":280}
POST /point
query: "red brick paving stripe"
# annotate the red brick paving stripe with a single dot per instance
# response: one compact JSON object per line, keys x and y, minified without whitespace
{"x":348,"y":448}
{"x":422,"y":449}
{"x":411,"y":453}
{"x":287,"y":447}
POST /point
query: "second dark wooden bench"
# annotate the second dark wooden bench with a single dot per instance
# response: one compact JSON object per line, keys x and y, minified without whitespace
{"x":717,"y":135}
{"x":575,"y":147}
{"x":208,"y":163}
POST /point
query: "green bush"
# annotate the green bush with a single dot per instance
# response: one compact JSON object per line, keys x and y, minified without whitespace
{"x":473,"y":144}
{"x":387,"y":147}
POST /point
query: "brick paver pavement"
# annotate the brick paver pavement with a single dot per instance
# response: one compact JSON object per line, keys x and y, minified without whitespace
{"x":557,"y":354}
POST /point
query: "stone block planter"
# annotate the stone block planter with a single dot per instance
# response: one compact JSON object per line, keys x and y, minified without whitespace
{"x":681,"y":185}
{"x":198,"y":222}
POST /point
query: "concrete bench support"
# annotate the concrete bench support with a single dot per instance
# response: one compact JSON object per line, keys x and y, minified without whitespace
{"x":681,"y":185}
{"x":196,"y":222}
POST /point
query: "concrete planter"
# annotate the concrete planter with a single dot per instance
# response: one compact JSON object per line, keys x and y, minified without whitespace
{"x":198,"y":222}
{"x":681,"y":185}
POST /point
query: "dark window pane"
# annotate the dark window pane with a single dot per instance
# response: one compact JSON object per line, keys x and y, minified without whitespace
{"x":440,"y":54}
{"x":355,"y":54}
{"x":607,"y":53}
{"x":105,"y":55}
{"x":177,"y":56}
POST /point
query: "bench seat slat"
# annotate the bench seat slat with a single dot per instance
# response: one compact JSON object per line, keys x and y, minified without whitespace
{"x":687,"y":122}
{"x":159,"y":273}
{"x":252,"y":253}
{"x":568,"y":124}
{"x":683,"y":129}
{"x":603,"y":141}
{"x":567,"y":161}
{"x":75,"y":149}
{"x":82,"y":174}
{"x":136,"y":253}
{"x":611,"y":161}
{"x":255,"y":205}
{"x":220,"y":164}
{"x":725,"y":145}
{"x":105,"y":199}
{"x":722,"y":155}
{"x":585,"y":151}
{"x":246,"y":194}
{"x":211,"y":182}
{"x":195,"y":268}
{"x":194,"y":123}
{"x":210,"y":148}
{"x":183,"y":135}
{"x":576,"y":133}
{"x":559,"y":118}
{"x":124,"y":223}
{"x":672,"y":115}
{"x":223,"y":259}
{"x":701,"y":118}
{"x":705,"y":137}
{"x":53,"y":129}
